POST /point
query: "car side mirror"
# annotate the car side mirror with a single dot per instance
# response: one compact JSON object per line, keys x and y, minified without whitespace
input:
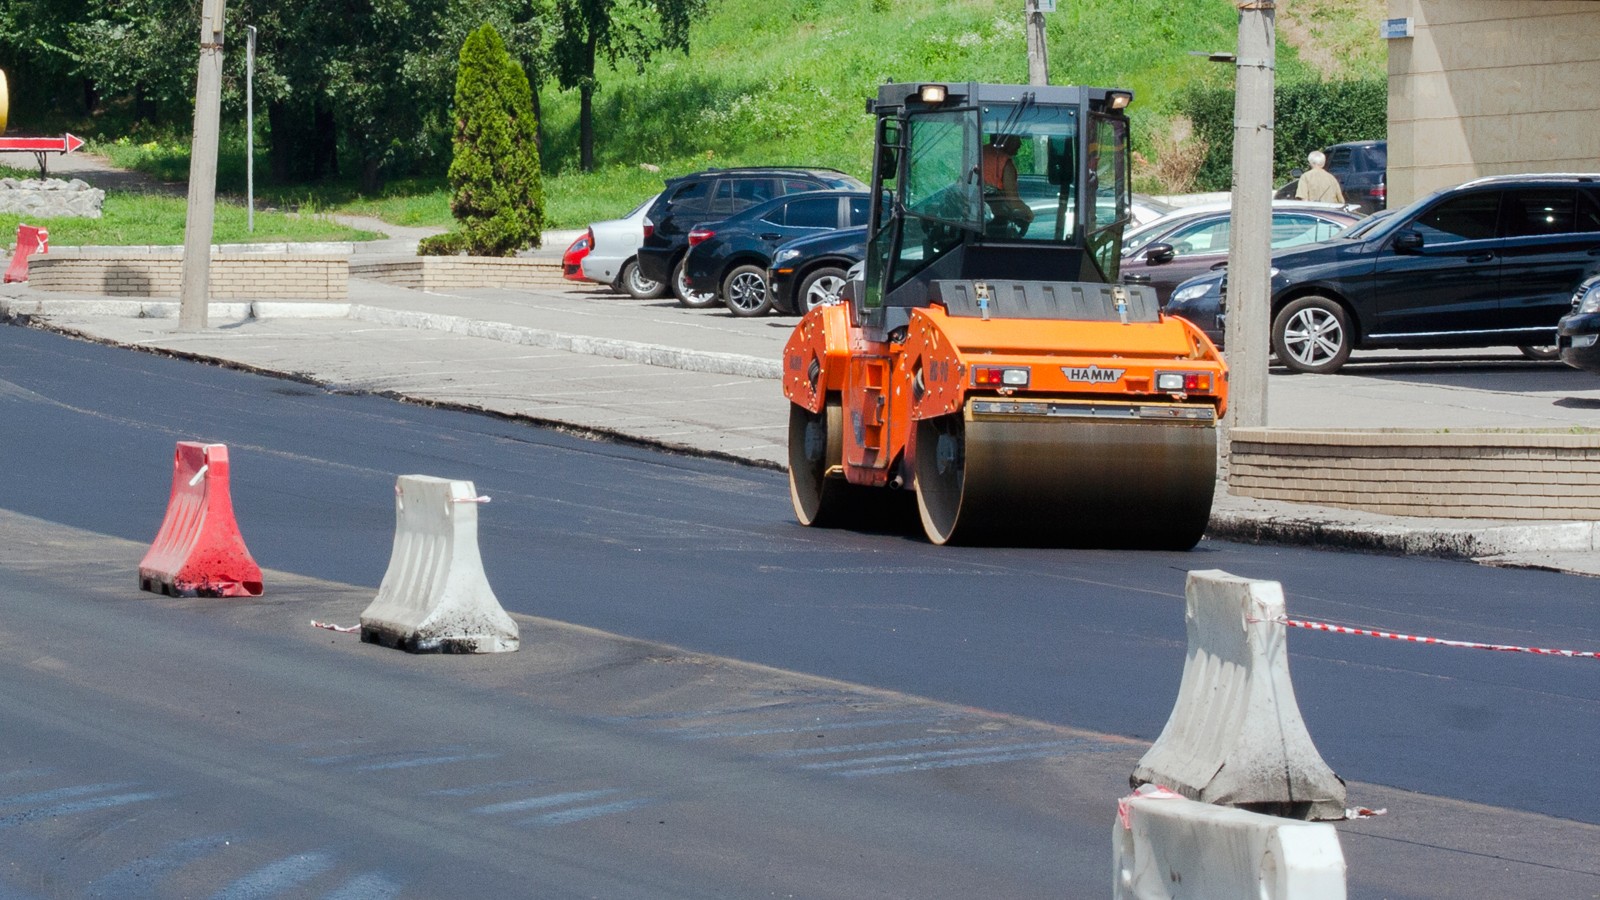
{"x":1159,"y":254}
{"x":1296,"y":173}
{"x":1408,"y":242}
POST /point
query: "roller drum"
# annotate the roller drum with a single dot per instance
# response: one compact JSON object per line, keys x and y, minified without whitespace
{"x":1068,"y":474}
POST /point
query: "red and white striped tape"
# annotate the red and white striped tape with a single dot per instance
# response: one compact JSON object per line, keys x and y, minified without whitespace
{"x":342,"y":629}
{"x":1416,"y":639}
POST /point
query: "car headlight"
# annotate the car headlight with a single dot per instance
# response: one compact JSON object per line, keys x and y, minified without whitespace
{"x":1587,"y":299}
{"x":1191,"y":292}
{"x":785,"y":256}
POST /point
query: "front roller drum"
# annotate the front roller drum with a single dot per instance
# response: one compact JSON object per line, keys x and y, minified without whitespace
{"x":1040,"y":473}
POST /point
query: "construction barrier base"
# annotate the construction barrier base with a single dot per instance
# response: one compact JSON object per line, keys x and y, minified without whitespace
{"x":1165,"y":847}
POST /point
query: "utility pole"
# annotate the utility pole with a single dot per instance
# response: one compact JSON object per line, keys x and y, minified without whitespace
{"x":250,"y":128}
{"x":1250,"y":249}
{"x":194,"y":284}
{"x":1038,"y":58}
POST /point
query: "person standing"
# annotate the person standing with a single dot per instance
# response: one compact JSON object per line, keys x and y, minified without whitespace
{"x":1318,"y":184}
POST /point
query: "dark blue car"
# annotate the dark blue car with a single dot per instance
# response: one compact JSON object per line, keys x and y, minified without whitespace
{"x":730,"y":257}
{"x":1490,"y":263}
{"x":809,"y":272}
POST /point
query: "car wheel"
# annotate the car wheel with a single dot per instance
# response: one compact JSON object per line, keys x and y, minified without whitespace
{"x":821,"y":288}
{"x":1312,"y":334}
{"x":687,"y":297}
{"x":745,"y":291}
{"x":638,"y":286}
{"x":1542,"y":353}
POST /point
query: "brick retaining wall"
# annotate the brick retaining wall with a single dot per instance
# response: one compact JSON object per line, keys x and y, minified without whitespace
{"x":1475,"y":474}
{"x":440,"y":273}
{"x":234,"y":276}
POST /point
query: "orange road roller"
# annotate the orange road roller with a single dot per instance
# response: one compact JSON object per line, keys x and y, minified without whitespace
{"x":984,"y":356}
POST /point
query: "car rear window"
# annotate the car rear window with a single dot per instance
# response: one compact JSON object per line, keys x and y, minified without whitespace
{"x":860,"y":209}
{"x":814,"y":212}
{"x":1550,"y":211}
{"x":692,"y":197}
{"x":735,"y":194}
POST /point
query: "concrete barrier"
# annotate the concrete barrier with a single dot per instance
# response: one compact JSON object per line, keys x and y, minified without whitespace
{"x":1235,"y":736}
{"x":1165,"y":846}
{"x":435,"y":597}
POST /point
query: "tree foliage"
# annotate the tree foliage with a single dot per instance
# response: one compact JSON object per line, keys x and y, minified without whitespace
{"x":1307,"y":116}
{"x":497,"y":195}
{"x":616,"y":31}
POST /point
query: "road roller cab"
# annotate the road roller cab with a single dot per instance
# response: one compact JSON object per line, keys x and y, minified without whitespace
{"x":986,"y":358}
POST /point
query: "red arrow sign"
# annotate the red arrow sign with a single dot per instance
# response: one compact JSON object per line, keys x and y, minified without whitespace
{"x":64,"y":144}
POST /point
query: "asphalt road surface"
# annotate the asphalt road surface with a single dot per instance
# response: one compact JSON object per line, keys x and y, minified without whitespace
{"x":1072,"y":656}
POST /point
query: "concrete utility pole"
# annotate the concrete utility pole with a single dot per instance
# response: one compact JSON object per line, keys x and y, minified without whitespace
{"x":194,"y":285}
{"x":250,"y":128}
{"x":1038,"y":59}
{"x":1250,"y":249}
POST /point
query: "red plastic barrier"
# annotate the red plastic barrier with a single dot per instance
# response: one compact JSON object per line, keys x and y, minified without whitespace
{"x":199,"y":551}
{"x":30,"y":240}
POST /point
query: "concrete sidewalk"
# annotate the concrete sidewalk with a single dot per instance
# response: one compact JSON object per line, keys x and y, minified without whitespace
{"x":702,"y":381}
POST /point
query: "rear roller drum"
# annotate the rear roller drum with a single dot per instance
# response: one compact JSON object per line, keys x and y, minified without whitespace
{"x":816,"y":444}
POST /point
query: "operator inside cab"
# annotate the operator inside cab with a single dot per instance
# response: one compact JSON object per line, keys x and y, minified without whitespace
{"x":1011,"y":216}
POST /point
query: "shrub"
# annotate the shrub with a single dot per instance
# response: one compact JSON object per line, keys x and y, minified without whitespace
{"x":451,"y":244}
{"x":496,"y":190}
{"x":1308,"y":116}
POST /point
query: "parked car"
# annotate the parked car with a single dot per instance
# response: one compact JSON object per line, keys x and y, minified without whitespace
{"x":1188,"y":242}
{"x":572,"y":260}
{"x":1493,"y":262}
{"x":1200,"y":299}
{"x":613,"y":255}
{"x":1145,"y":209}
{"x":810,"y":272}
{"x":730,"y":257}
{"x":711,"y":195}
{"x":1578,"y":332}
{"x":1362,"y":168}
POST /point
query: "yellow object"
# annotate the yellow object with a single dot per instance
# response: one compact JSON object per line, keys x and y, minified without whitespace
{"x":3,"y":102}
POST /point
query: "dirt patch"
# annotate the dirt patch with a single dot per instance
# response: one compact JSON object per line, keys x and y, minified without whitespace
{"x":1337,"y":38}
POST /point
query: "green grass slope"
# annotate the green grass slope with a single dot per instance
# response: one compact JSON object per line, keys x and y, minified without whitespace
{"x":786,"y":83}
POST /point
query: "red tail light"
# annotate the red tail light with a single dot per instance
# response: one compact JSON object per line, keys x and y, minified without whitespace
{"x":1381,"y":192}
{"x":699,"y":235}
{"x":649,"y":229}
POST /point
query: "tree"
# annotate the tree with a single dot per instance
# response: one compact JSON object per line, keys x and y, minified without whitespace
{"x":497,"y":194}
{"x":617,"y":30}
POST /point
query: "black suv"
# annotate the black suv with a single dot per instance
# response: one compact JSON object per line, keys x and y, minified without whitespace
{"x":715,"y":194}
{"x":1493,"y":262}
{"x":1362,"y":168}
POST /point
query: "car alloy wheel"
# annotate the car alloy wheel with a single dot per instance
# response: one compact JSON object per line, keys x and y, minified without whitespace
{"x":1312,"y":334}
{"x":821,"y":288}
{"x":687,"y":296}
{"x":638,"y":286}
{"x":745,"y":290}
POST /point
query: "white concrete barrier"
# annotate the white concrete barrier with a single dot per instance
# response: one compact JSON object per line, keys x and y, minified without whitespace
{"x":1165,"y":846}
{"x":435,"y":597}
{"x":1235,"y":736}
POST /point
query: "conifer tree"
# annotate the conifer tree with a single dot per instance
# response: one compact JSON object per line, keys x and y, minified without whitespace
{"x":497,"y":193}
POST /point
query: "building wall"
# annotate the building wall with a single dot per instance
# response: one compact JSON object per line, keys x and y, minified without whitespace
{"x":1487,"y":87}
